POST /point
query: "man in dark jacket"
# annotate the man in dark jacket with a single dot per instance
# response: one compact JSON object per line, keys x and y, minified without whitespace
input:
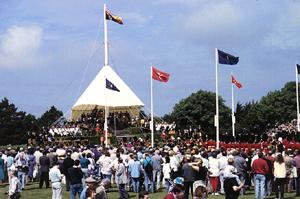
{"x":67,"y":163}
{"x":44,"y":170}
{"x":189,"y":177}
{"x":75,"y":177}
{"x":232,"y":188}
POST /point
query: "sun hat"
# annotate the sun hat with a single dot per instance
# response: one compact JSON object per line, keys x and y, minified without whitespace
{"x":198,"y":183}
{"x":179,"y":180}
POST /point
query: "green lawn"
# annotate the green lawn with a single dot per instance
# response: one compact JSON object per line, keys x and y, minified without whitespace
{"x":33,"y":192}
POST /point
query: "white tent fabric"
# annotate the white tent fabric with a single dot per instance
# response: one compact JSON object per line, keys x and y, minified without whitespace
{"x":98,"y":96}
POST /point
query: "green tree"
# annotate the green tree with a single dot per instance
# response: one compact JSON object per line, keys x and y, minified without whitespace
{"x":14,"y":124}
{"x":199,"y":109}
{"x":49,"y":117}
{"x":278,"y":106}
{"x":247,"y":117}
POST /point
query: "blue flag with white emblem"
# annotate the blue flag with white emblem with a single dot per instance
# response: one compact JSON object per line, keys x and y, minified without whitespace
{"x":111,"y":86}
{"x":225,"y":58}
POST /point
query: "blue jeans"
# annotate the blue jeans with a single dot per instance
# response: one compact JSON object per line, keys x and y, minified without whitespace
{"x":74,"y":189}
{"x":147,"y":179}
{"x":156,"y":178}
{"x":167,"y":185}
{"x":21,"y":177}
{"x":260,"y":182}
{"x":136,"y":185}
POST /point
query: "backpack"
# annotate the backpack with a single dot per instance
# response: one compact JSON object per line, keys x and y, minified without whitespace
{"x":148,"y":168}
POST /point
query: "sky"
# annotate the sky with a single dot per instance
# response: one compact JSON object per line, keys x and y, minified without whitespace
{"x":51,"y":50}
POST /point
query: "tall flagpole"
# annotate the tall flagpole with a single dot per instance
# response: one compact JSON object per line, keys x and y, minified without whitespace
{"x":152,"y":122}
{"x":297,"y":98}
{"x":105,"y":114}
{"x":232,"y":108}
{"x":217,"y":101}
{"x":105,"y":64}
{"x":105,"y":37}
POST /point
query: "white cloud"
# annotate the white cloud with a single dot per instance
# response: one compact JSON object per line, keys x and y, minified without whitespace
{"x":211,"y":24}
{"x":19,"y":46}
{"x":285,"y":32}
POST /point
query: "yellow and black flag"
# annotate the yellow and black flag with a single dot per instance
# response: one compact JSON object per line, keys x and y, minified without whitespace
{"x":115,"y":18}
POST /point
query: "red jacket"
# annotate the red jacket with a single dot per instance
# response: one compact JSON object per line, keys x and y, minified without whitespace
{"x":260,"y":166}
{"x":169,"y":196}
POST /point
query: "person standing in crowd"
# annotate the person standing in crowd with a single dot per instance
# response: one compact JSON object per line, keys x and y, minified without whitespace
{"x":297,"y":164}
{"x":37,"y":155}
{"x":200,"y":174}
{"x":157,"y":168}
{"x":67,"y":163}
{"x":106,"y":165}
{"x":121,"y":179}
{"x":1,"y":169}
{"x":92,"y":164}
{"x":22,"y":166}
{"x":9,"y":164}
{"x":214,"y":172}
{"x":14,"y":186}
{"x":31,"y":164}
{"x":232,"y":188}
{"x":84,"y":163}
{"x":134,"y":171}
{"x":279,"y":174}
{"x":75,"y":176}
{"x":44,"y":170}
{"x":269,"y":176}
{"x":174,"y":164}
{"x":56,"y":177}
{"x":148,"y":169}
{"x":260,"y":169}
{"x":188,"y":176}
{"x":289,"y":164}
{"x":167,"y":173}
{"x":52,"y":157}
{"x":241,"y":167}
{"x":223,"y":163}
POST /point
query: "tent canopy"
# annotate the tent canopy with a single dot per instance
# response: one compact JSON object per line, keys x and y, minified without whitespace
{"x":98,"y":96}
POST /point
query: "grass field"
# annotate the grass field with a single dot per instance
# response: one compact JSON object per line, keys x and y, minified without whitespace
{"x":33,"y":192}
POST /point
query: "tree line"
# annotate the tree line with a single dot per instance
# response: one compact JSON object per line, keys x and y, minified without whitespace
{"x":198,"y":110}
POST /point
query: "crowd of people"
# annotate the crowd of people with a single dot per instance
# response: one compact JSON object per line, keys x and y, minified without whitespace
{"x":179,"y":167}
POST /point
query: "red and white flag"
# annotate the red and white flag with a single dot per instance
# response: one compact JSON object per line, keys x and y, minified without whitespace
{"x":160,"y":75}
{"x":234,"y":81}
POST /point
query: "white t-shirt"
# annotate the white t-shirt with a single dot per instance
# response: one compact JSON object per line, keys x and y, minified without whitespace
{"x":214,"y":167}
{"x":167,"y":170}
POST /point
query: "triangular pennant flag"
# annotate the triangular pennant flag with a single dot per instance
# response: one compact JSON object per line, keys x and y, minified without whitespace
{"x":111,"y":86}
